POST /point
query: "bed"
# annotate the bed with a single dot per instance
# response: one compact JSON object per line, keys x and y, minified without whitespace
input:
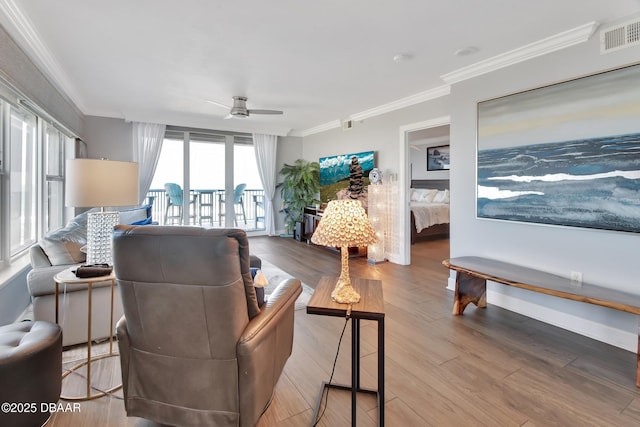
{"x":429,"y":209}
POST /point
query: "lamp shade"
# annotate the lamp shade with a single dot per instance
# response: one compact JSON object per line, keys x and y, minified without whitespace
{"x":93,"y":182}
{"x":344,"y":223}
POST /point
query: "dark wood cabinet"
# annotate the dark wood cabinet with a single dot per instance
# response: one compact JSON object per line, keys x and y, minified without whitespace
{"x":311,"y":218}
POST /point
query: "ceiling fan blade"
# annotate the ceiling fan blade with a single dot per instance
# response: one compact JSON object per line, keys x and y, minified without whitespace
{"x":218,"y":104}
{"x":264,"y":112}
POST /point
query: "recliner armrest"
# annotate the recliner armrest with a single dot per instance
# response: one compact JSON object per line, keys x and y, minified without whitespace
{"x":263,"y":349}
{"x":284,"y":295}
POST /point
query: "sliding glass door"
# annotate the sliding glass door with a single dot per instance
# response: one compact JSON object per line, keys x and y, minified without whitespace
{"x":207,"y":177}
{"x":245,"y":173}
{"x":219,"y":181}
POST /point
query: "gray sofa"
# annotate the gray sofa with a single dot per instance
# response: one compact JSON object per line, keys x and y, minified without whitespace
{"x":60,"y":250}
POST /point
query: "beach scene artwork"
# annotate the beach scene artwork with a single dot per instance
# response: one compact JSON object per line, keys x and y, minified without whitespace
{"x":566,"y":154}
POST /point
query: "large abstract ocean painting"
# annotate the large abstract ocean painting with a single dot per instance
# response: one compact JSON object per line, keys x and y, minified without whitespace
{"x":584,"y":183}
{"x":567,"y":154}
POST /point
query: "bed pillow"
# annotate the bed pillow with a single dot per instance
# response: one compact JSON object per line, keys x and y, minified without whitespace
{"x":441,"y":197}
{"x":424,"y":195}
{"x":428,"y":196}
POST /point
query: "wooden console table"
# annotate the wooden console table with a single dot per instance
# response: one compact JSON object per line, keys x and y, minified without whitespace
{"x":473,"y":273}
{"x":370,"y":307}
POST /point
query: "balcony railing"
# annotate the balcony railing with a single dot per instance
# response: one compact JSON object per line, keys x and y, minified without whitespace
{"x":207,"y":208}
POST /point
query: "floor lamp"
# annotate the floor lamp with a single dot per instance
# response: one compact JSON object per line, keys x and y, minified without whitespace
{"x":100,"y":183}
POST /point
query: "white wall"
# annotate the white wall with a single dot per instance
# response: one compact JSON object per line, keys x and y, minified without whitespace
{"x":379,"y":134}
{"x":289,"y":150}
{"x":418,"y":160}
{"x":108,"y":138}
{"x":605,"y":258}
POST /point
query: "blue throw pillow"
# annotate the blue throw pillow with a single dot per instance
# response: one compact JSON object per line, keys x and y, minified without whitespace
{"x":145,"y":221}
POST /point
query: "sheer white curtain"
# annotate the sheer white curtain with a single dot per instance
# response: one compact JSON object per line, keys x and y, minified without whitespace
{"x":265,"y":147}
{"x":147,"y":142}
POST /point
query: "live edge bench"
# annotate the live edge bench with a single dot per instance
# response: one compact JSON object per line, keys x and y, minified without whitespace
{"x":473,"y":273}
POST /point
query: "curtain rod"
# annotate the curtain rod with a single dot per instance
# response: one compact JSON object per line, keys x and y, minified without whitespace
{"x":40,"y":112}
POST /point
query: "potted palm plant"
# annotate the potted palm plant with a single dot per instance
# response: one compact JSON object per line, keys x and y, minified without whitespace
{"x":298,"y":189}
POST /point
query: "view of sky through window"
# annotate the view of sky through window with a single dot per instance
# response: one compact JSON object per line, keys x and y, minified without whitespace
{"x":207,"y":167}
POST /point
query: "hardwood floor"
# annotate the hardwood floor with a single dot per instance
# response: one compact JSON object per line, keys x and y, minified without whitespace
{"x":489,"y":367}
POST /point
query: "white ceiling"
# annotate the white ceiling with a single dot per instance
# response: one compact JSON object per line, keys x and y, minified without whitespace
{"x":320,"y":62}
{"x":422,"y":138}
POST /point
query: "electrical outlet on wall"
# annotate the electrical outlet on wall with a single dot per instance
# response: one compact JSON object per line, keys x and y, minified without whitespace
{"x":576,"y":278}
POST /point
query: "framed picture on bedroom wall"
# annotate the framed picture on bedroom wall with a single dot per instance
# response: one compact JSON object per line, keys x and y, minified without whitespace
{"x":438,"y":158}
{"x":566,"y":154}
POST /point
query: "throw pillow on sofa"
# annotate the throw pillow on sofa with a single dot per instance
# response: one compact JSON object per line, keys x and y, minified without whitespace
{"x":64,"y":245}
{"x":136,"y":216}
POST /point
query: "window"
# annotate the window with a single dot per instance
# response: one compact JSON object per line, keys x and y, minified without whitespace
{"x":31,"y":179}
{"x":23,"y":179}
{"x":53,"y":200}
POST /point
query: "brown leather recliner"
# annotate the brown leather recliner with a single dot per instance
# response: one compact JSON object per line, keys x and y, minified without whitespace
{"x":195,"y":348}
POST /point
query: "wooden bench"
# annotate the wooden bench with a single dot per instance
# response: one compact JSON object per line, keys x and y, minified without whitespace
{"x":473,"y":273}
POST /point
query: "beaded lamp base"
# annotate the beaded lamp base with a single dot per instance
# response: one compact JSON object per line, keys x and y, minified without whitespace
{"x":99,"y":235}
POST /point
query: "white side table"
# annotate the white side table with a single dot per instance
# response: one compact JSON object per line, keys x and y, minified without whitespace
{"x":69,"y":278}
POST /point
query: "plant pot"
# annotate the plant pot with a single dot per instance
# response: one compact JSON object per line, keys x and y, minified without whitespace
{"x":298,"y":232}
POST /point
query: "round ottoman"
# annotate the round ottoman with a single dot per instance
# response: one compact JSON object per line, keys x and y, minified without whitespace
{"x":30,"y":372}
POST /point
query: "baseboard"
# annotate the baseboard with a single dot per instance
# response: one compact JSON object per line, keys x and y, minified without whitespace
{"x":578,"y":324}
{"x":616,"y":337}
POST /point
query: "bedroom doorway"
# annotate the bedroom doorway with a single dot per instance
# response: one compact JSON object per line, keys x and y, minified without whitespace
{"x":418,"y":137}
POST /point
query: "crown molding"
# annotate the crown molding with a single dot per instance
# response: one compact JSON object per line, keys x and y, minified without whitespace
{"x":541,"y":47}
{"x":408,"y":101}
{"x":19,"y":26}
{"x":334,"y":124}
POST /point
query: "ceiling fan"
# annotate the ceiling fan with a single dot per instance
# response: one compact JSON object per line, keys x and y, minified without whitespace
{"x":239,"y":108}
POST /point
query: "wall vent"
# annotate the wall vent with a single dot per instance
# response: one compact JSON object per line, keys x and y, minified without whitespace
{"x":347,"y":124}
{"x":620,"y":36}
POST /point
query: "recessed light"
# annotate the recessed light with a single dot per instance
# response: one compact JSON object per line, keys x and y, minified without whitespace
{"x":466,"y":51}
{"x":401,"y":57}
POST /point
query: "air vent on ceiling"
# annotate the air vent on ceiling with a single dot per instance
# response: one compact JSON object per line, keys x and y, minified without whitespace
{"x":620,"y":36}
{"x":347,"y":124}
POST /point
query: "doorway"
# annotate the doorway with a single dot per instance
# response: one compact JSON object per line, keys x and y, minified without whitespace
{"x":424,"y":134}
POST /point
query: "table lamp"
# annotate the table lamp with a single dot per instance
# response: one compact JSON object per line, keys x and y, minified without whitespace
{"x":344,"y":223}
{"x":100,"y":183}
